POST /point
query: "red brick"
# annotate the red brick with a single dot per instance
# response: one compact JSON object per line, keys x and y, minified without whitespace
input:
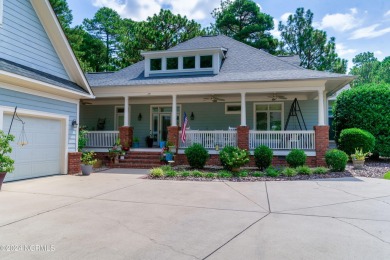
{"x":74,"y":163}
{"x":322,"y":143}
{"x":126,"y":135}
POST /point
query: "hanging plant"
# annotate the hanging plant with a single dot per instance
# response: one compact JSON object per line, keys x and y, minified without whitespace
{"x":6,"y":163}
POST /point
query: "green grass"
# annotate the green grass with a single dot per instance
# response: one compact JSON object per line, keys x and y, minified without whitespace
{"x":196,"y":174}
{"x":257,"y":174}
{"x":387,"y":176}
{"x":224,"y":174}
{"x":209,"y":175}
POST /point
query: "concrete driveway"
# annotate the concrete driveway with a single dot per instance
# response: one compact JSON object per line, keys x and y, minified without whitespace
{"x":113,"y":215}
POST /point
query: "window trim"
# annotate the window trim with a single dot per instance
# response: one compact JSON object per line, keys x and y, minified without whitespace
{"x":268,"y":119}
{"x":232,"y":112}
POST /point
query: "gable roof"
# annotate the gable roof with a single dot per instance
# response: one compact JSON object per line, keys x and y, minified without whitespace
{"x":60,"y":43}
{"x":30,"y":73}
{"x":242,"y":63}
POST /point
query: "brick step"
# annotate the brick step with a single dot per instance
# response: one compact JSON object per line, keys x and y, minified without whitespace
{"x":143,"y":153}
{"x":140,"y":160}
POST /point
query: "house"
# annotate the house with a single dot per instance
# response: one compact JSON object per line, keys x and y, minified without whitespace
{"x":232,"y":93}
{"x":39,"y":75}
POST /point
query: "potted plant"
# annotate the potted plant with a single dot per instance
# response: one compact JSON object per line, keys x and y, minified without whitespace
{"x":87,"y":162}
{"x":6,"y":163}
{"x":135,"y":142}
{"x":115,"y":151}
{"x":171,"y":146}
{"x":126,"y":147}
{"x":162,"y":144}
{"x":149,"y":141}
{"x":358,"y":158}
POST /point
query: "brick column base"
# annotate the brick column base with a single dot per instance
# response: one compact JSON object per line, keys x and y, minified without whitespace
{"x":243,"y":137}
{"x":74,"y":163}
{"x":173,"y":135}
{"x":322,"y":143}
{"x":126,"y":135}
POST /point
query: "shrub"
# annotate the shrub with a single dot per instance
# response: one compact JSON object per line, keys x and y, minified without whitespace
{"x":82,"y":139}
{"x":336,"y":160}
{"x":224,"y":174}
{"x":365,"y":107}
{"x":166,"y":168}
{"x":272,"y":172}
{"x":320,"y":170}
{"x":355,"y":138}
{"x":305,"y":170}
{"x":233,"y":157}
{"x":156,"y":173}
{"x":209,"y":175}
{"x":184,"y":174}
{"x":387,"y":175}
{"x":170,"y":173}
{"x":197,"y":156}
{"x":289,"y":172}
{"x":263,"y":157}
{"x":196,"y":174}
{"x":258,"y":174}
{"x":6,"y":162}
{"x":243,"y":174}
{"x":296,"y":158}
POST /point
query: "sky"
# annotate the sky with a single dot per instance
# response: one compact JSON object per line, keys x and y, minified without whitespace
{"x":357,"y":25}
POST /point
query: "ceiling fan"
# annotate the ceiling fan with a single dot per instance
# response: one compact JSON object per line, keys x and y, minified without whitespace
{"x":275,"y":96}
{"x":213,"y":98}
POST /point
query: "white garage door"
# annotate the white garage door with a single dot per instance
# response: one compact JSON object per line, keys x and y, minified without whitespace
{"x":42,"y":155}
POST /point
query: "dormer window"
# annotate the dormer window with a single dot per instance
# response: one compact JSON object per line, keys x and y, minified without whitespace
{"x":206,"y":61}
{"x":155,"y":64}
{"x":189,"y":62}
{"x":172,"y":63}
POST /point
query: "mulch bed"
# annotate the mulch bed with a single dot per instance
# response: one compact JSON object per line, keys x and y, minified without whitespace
{"x":372,"y":169}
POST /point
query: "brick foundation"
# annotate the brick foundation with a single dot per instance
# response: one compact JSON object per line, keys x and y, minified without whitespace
{"x":322,"y":143}
{"x":243,"y":137}
{"x":126,"y":135}
{"x":74,"y":163}
{"x":173,"y":135}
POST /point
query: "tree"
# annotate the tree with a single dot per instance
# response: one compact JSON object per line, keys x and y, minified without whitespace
{"x":316,"y":52}
{"x":243,"y":21}
{"x":368,"y":69}
{"x":64,"y":14}
{"x":105,"y":25}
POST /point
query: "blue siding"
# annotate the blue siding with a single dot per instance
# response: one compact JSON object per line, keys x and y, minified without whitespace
{"x":309,"y":110}
{"x":12,"y":98}
{"x":23,"y":39}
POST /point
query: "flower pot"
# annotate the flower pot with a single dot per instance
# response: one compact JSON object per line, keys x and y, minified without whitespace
{"x":86,"y":169}
{"x":172,"y":149}
{"x":126,"y":148}
{"x":162,"y":144}
{"x":149,"y":142}
{"x":136,"y":145}
{"x":2,"y":176}
{"x":358,"y":164}
{"x":169,"y":157}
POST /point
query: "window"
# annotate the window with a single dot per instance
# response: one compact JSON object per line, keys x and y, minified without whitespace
{"x":172,"y":63}
{"x":155,"y":64}
{"x":268,"y":117}
{"x":206,"y":61}
{"x":189,"y":62}
{"x":233,"y":108}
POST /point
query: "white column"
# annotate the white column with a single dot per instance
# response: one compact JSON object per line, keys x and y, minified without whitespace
{"x":326,"y":107}
{"x":243,"y":110}
{"x":321,"y":117}
{"x":174,"y":111}
{"x":126,"y":119}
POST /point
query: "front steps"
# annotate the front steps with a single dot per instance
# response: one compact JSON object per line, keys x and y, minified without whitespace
{"x":139,"y":160}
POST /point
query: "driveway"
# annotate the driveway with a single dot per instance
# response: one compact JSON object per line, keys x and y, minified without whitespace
{"x":119,"y":215}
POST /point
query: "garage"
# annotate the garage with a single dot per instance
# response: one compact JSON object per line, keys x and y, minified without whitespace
{"x":44,"y":153}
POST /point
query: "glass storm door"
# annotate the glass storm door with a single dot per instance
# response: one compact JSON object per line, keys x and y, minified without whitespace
{"x":165,"y":122}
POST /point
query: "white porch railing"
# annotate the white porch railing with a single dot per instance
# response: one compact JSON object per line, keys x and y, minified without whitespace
{"x":209,"y":139}
{"x":282,"y":140}
{"x":101,"y":139}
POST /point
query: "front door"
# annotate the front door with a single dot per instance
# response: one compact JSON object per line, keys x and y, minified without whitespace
{"x":165,"y":122}
{"x":160,"y":121}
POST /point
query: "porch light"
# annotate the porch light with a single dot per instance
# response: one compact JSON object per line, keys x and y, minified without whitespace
{"x":192,"y":117}
{"x":139,"y":117}
{"x":74,"y":123}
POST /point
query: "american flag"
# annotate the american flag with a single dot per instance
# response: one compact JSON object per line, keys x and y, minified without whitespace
{"x":183,"y":129}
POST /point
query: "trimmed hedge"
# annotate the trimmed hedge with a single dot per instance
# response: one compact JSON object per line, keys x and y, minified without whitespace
{"x":336,"y":160}
{"x":366,"y":107}
{"x":197,"y":156}
{"x":296,"y":158}
{"x":263,"y":157}
{"x":355,"y":138}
